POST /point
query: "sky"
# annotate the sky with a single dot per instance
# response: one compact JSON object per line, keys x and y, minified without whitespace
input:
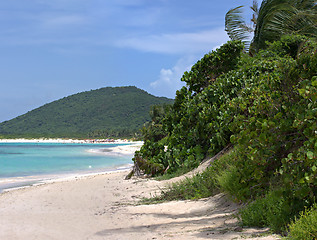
{"x":50,"y":49}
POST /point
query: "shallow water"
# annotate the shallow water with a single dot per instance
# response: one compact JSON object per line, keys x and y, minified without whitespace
{"x":25,"y":163}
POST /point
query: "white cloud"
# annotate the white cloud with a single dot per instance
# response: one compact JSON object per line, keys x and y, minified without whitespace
{"x":179,"y":43}
{"x":170,"y":79}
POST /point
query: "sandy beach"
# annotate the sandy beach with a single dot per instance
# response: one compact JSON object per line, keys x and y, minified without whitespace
{"x":105,"y":206}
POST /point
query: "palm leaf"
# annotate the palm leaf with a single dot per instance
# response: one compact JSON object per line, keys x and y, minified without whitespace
{"x":278,"y":17}
{"x":261,"y":34}
{"x":294,"y":21}
{"x":255,"y":9}
{"x":236,"y":27}
{"x":273,"y":19}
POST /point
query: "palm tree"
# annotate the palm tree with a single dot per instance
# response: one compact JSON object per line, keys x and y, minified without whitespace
{"x":237,"y":28}
{"x":272,"y":20}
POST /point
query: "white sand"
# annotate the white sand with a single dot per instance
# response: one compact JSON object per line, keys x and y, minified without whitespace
{"x":62,"y":140}
{"x":103,"y":207}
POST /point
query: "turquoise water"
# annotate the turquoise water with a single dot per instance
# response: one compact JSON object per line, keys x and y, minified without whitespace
{"x":24,"y":162}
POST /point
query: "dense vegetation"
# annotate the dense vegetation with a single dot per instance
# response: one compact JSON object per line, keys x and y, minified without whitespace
{"x":259,"y":99}
{"x":265,"y":106}
{"x":103,"y":113}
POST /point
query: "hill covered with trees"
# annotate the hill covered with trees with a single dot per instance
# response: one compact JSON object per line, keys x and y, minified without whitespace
{"x":101,"y":113}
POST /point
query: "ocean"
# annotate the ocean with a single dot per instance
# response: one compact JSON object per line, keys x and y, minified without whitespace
{"x":23,"y":164}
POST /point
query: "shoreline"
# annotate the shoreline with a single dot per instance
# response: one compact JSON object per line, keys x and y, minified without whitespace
{"x":13,"y":183}
{"x":61,"y":140}
{"x":103,"y":205}
{"x":16,"y":183}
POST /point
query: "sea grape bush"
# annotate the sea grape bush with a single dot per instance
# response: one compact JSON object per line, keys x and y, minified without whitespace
{"x":266,"y":107}
{"x":261,"y":124}
{"x":252,"y":104}
{"x":212,"y":65}
{"x":299,"y":167}
{"x":197,"y":123}
{"x":276,"y":134}
{"x":149,"y":159}
{"x":274,"y":128}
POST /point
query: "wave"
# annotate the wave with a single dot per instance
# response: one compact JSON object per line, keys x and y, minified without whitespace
{"x":117,"y":151}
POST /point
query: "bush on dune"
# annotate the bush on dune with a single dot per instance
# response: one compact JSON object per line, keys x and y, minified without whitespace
{"x":266,"y":107}
{"x":305,"y":227}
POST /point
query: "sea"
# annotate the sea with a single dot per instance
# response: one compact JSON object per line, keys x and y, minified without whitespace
{"x":25,"y":164}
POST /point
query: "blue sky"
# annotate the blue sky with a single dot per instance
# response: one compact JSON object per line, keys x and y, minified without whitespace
{"x":54,"y":48}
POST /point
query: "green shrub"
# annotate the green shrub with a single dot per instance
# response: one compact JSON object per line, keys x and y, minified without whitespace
{"x":254,"y":214}
{"x":228,"y":181}
{"x":290,"y":45}
{"x":200,"y":185}
{"x":305,"y":227}
{"x":275,"y":210}
{"x":198,"y":122}
{"x":266,"y":107}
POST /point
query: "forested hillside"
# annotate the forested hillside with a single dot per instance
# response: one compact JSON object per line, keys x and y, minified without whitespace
{"x":102,"y":113}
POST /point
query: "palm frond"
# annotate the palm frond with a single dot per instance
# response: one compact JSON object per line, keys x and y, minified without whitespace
{"x":291,"y":20}
{"x":236,"y":27}
{"x":260,"y":33}
{"x":273,"y":19}
{"x":278,"y":17}
{"x":255,"y":9}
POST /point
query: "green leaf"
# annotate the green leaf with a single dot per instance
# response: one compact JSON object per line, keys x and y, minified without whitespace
{"x":310,"y":155}
{"x":301,"y":91}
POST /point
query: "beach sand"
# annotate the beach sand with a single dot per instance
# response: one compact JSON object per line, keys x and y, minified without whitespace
{"x":62,"y":140}
{"x":105,"y":207}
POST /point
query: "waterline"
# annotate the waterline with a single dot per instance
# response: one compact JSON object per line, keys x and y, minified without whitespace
{"x":23,"y":164}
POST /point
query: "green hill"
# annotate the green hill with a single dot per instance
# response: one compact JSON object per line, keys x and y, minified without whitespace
{"x":105,"y":112}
